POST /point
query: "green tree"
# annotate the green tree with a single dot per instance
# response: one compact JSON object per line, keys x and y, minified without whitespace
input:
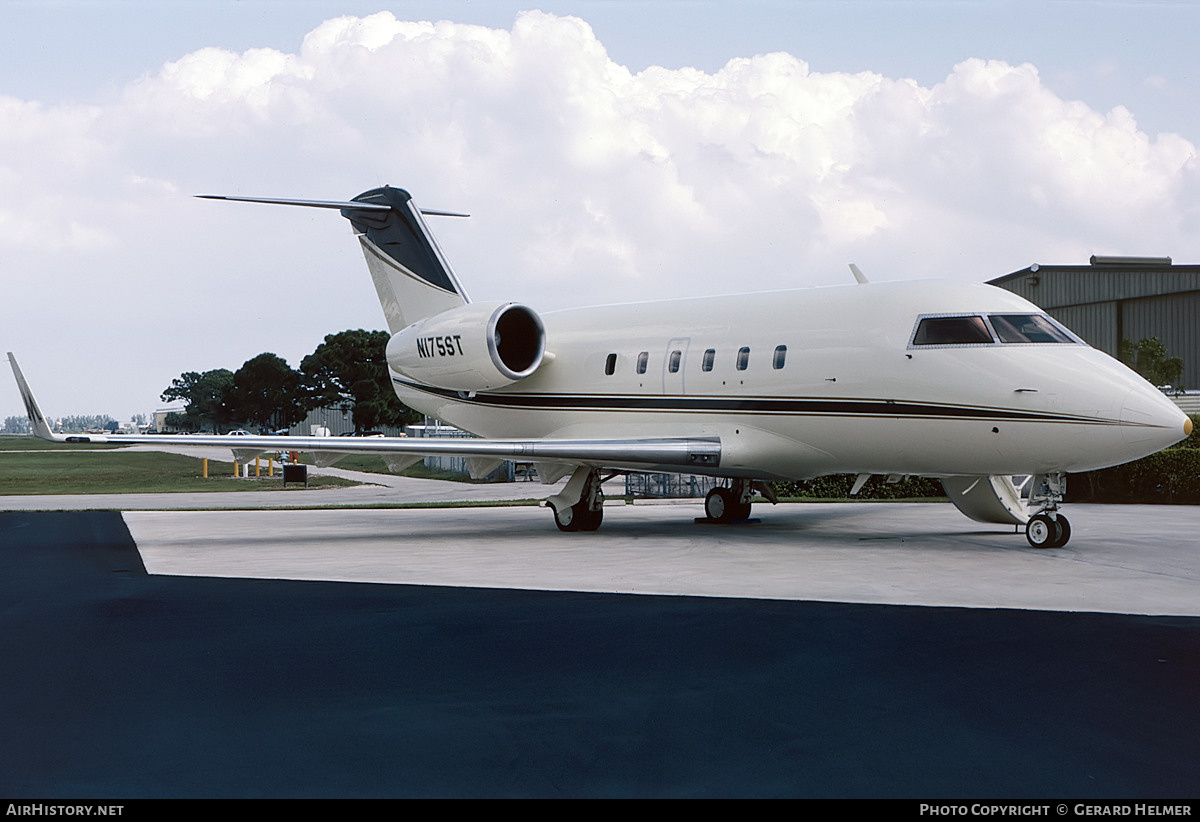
{"x":16,"y":425}
{"x":267,"y":392}
{"x":349,"y":370}
{"x":207,"y":398}
{"x":181,"y":422}
{"x":1149,"y":358}
{"x":78,"y":423}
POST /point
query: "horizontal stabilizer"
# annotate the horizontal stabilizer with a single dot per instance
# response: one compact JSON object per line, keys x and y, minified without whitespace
{"x":338,"y":204}
{"x":412,"y":277}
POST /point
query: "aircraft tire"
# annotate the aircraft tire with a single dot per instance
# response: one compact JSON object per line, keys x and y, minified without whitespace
{"x":718,"y":505}
{"x":566,"y":519}
{"x":578,"y":518}
{"x":1063,"y":532}
{"x":589,"y":520}
{"x":1043,"y":532}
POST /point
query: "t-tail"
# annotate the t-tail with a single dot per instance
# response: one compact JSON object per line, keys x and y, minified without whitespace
{"x":439,"y":338}
{"x":412,"y":277}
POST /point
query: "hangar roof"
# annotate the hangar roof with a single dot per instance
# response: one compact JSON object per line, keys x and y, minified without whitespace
{"x":1105,"y":280}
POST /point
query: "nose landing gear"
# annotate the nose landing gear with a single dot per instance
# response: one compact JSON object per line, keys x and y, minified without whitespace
{"x":1042,"y":531}
{"x":1047,"y":528}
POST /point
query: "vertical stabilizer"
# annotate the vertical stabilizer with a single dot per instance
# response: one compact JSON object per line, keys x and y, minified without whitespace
{"x":412,"y":278}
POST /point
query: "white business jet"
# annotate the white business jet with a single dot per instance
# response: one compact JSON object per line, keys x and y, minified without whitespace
{"x":966,"y":383}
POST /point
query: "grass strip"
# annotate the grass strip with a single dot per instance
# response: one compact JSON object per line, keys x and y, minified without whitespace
{"x":143,"y":472}
{"x":20,"y":442}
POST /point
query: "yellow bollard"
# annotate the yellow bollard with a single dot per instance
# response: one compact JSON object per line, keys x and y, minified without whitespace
{"x":235,"y":469}
{"x":257,"y":468}
{"x":205,"y":461}
{"x":270,"y":466}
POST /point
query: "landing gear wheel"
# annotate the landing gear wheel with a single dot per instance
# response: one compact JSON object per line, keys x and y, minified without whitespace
{"x":578,"y":518}
{"x":590,"y":520}
{"x":1044,"y":532}
{"x":719,"y":505}
{"x":1040,"y":531}
{"x":1064,"y":532}
{"x":566,"y":520}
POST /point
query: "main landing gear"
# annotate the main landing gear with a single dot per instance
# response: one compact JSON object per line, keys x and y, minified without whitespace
{"x":1047,"y":528}
{"x":729,"y":504}
{"x":580,"y":505}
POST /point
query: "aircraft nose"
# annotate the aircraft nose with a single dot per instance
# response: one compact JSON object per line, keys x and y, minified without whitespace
{"x":1151,"y":420}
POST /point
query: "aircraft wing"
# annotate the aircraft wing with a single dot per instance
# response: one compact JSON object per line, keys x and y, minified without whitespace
{"x":660,"y":454}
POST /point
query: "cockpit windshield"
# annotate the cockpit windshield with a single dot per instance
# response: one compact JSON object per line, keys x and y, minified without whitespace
{"x":952,"y":331}
{"x":1028,"y":328}
{"x":978,"y":329}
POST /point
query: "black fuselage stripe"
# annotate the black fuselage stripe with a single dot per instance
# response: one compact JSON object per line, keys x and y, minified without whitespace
{"x":789,"y":406}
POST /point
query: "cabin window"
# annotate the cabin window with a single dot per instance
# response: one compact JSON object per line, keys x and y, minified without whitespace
{"x":673,"y":362}
{"x":642,"y":360}
{"x":610,"y":364}
{"x":952,"y":331}
{"x":780,"y":356}
{"x":706,"y":362}
{"x":1028,"y":328}
{"x":743,"y":358}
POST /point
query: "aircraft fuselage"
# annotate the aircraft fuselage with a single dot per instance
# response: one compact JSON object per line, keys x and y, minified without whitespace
{"x":824,"y":380}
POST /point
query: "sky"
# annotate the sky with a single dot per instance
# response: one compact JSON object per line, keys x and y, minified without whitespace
{"x":608,"y":151}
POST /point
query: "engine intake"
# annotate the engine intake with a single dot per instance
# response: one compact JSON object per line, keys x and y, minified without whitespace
{"x":474,"y":347}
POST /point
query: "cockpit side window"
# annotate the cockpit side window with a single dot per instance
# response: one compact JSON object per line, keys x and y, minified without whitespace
{"x":952,"y":331}
{"x":1028,"y":328}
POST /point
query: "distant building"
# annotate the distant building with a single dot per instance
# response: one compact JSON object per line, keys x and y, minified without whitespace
{"x":338,"y":421}
{"x":1117,"y":298}
{"x":159,"y":419}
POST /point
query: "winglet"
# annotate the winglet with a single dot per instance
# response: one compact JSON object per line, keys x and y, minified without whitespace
{"x":858,"y":275}
{"x":41,"y":428}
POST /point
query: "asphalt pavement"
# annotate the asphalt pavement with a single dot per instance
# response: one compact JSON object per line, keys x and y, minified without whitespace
{"x":122,"y":683}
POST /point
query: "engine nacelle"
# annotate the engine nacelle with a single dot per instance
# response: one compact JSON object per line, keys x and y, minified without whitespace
{"x":474,"y":347}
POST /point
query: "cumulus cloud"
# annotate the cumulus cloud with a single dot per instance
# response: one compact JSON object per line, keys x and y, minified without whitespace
{"x":588,"y":182}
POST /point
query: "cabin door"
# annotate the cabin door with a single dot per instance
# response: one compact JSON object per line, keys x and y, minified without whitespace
{"x":675,"y":366}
